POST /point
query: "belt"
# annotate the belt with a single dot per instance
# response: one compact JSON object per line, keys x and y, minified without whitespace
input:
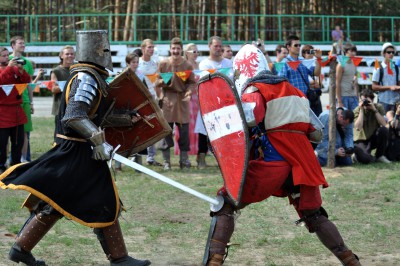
{"x":70,"y":138}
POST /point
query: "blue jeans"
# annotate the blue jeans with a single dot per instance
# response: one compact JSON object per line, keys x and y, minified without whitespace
{"x":339,"y":161}
{"x":350,"y":102}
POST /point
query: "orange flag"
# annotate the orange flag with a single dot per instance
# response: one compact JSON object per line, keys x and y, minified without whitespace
{"x":184,"y":75}
{"x":152,"y":77}
{"x":376,"y":63}
{"x":211,"y":70}
{"x":21,"y":87}
{"x":356,"y":60}
{"x":294,"y":64}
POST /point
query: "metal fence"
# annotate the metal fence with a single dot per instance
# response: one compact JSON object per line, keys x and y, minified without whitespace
{"x":60,"y":29}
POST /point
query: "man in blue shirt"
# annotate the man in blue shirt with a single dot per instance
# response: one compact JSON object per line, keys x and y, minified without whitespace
{"x":344,"y":146}
{"x":299,"y":77}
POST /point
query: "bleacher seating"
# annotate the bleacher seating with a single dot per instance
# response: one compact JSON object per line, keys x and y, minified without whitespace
{"x":46,"y":57}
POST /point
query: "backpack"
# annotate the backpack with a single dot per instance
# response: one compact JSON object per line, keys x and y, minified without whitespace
{"x":396,"y":68}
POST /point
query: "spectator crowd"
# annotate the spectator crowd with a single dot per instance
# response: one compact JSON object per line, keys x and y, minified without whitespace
{"x":367,"y":121}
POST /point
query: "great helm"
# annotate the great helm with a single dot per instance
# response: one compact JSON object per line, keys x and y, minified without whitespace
{"x":92,"y":46}
{"x":248,"y":62}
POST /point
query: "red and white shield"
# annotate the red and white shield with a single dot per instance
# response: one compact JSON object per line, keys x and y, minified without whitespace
{"x":226,"y":127}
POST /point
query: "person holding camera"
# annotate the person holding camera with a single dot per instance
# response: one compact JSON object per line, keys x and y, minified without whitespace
{"x":386,"y":79}
{"x":344,"y":146}
{"x":370,"y":131}
{"x":17,"y":44}
{"x":314,"y":93}
{"x":12,"y":118}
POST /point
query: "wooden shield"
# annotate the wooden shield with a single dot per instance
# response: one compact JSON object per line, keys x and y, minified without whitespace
{"x":129,"y":93}
{"x":226,"y":127}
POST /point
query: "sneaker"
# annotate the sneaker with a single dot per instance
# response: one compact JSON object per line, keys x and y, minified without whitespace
{"x":383,"y":159}
{"x":354,"y":158}
{"x":167,"y":166}
{"x":154,"y":163}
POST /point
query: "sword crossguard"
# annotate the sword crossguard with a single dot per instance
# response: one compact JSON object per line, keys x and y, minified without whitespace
{"x":112,"y":155}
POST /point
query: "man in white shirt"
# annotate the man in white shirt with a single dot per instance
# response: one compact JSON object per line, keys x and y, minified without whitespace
{"x":147,"y":66}
{"x":214,"y":61}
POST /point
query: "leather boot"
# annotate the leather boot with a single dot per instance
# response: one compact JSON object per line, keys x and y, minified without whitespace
{"x":329,"y":235}
{"x":113,"y":245}
{"x":201,"y":161}
{"x":348,"y":258}
{"x":216,"y":260}
{"x":167,"y":159}
{"x":32,"y":232}
{"x":184,"y":160}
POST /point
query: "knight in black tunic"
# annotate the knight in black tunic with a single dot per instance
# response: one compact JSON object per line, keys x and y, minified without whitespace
{"x":73,"y":178}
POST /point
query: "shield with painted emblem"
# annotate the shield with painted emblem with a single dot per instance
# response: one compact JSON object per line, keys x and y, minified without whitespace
{"x":128,"y":95}
{"x":226,"y":127}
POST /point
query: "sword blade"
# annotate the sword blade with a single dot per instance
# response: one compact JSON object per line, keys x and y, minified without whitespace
{"x":165,"y":179}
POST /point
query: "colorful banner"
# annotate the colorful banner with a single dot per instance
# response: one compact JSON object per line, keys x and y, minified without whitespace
{"x":279,"y":66}
{"x":184,"y":75}
{"x":294,"y":64}
{"x":225,"y":70}
{"x":61,"y":84}
{"x":34,"y":87}
{"x":343,"y":60}
{"x":21,"y":87}
{"x":308,"y":63}
{"x":376,"y":63}
{"x":152,"y":77}
{"x":356,"y":60}
{"x":7,"y":88}
{"x":324,"y":61}
{"x":166,"y":76}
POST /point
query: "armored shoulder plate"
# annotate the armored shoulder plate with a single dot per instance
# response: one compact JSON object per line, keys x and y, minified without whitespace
{"x":87,"y":89}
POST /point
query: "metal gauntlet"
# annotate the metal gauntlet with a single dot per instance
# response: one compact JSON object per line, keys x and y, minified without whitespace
{"x":101,"y":149}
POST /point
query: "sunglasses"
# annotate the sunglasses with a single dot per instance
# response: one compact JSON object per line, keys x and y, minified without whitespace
{"x":193,"y":52}
{"x":297,"y":45}
{"x":390,"y":52}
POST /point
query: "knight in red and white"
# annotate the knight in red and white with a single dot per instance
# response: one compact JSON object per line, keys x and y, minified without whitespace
{"x":282,"y":161}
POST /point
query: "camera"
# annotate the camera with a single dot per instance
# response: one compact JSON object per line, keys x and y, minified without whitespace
{"x":20,"y":61}
{"x":366,"y":102}
{"x":349,"y":151}
{"x":312,"y":51}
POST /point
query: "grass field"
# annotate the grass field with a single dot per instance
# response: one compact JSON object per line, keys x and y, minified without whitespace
{"x":170,"y":227}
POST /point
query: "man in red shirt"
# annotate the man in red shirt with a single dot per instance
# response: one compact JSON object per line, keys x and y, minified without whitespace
{"x":12,"y":117}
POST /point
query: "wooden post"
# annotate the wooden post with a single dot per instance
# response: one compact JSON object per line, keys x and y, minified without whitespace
{"x":332,"y":112}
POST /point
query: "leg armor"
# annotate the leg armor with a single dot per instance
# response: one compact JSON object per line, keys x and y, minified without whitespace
{"x":221,"y":230}
{"x":31,"y":233}
{"x":113,"y":245}
{"x":317,"y":222}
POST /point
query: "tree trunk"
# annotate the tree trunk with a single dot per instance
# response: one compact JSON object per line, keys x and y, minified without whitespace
{"x":229,"y":10}
{"x":117,"y":19}
{"x":127,"y":20}
{"x":134,"y":22}
{"x":173,"y":19}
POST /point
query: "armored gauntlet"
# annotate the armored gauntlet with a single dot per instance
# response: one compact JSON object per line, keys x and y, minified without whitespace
{"x":101,"y":149}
